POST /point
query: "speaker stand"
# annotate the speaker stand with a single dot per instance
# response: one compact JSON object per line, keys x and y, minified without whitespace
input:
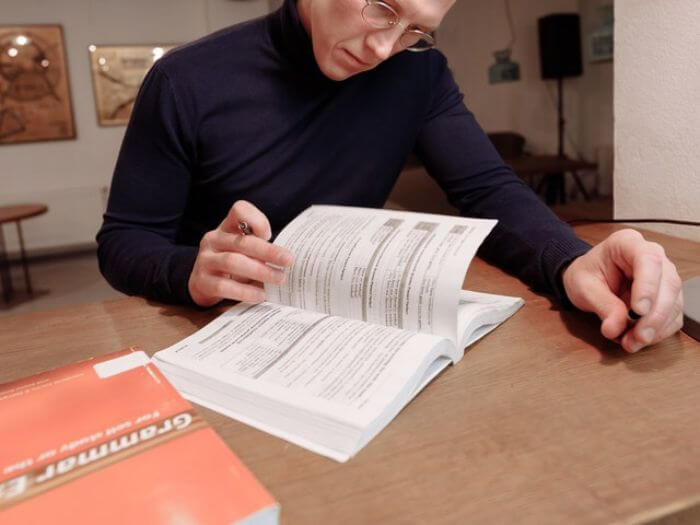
{"x":555,"y":190}
{"x":560,"y":111}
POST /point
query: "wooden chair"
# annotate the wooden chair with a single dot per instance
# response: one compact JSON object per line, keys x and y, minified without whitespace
{"x":509,"y":144}
{"x":551,"y":168}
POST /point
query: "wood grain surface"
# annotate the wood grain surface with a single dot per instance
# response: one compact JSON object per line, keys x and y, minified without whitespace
{"x":18,"y":212}
{"x":543,"y":421}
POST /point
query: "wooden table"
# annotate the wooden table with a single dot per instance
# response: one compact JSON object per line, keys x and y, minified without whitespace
{"x":16,"y":213}
{"x":553,"y":168}
{"x":543,"y":421}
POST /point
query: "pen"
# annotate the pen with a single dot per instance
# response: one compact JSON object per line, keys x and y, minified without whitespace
{"x":245,"y":229}
{"x":633,"y":316}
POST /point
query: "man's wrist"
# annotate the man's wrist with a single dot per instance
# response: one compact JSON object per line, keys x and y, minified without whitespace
{"x":561,"y":283}
{"x":558,"y":257}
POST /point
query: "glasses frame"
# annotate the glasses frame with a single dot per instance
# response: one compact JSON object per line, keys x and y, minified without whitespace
{"x":408,"y":30}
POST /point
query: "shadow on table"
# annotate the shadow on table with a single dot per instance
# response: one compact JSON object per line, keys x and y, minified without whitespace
{"x":690,"y":516}
{"x":20,"y":297}
{"x":586,"y":327}
{"x":196,"y":316}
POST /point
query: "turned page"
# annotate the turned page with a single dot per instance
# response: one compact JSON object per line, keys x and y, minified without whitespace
{"x":393,"y":268}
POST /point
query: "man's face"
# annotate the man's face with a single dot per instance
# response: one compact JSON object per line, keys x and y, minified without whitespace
{"x":344,"y":44}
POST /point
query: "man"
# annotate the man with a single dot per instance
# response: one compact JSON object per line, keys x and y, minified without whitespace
{"x":321,"y":102}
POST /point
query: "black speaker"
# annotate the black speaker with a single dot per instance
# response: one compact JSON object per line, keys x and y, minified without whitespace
{"x":560,"y":45}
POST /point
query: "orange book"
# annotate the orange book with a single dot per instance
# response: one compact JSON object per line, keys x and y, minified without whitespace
{"x":109,"y":440}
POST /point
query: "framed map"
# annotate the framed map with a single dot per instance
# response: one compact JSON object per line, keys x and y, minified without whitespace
{"x":35,"y":100}
{"x":117,"y":73}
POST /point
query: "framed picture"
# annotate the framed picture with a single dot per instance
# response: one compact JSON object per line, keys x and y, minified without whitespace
{"x":35,"y":99}
{"x":117,"y":73}
{"x":601,"y":41}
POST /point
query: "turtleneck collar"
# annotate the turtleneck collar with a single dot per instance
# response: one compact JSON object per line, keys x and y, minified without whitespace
{"x":291,"y":39}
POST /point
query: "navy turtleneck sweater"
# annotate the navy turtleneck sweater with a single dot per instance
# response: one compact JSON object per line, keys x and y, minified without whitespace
{"x":246,"y":113}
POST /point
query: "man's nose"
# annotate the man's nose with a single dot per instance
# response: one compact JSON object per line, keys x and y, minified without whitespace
{"x":382,"y":42}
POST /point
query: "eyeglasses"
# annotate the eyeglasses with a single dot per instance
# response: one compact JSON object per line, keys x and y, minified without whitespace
{"x":382,"y":16}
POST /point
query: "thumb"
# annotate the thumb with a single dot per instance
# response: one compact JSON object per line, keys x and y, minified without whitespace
{"x":613,"y":314}
{"x":611,"y":310}
{"x":598,"y":298}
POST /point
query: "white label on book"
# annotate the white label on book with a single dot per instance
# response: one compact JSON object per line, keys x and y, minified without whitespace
{"x":121,"y":364}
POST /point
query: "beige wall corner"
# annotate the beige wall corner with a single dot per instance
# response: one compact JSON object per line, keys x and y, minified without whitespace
{"x":657,"y":79}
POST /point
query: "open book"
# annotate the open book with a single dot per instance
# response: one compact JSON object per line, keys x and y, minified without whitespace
{"x":371,"y":311}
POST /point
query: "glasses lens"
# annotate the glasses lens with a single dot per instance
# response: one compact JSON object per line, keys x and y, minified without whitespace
{"x":415,"y":40}
{"x":378,"y":14}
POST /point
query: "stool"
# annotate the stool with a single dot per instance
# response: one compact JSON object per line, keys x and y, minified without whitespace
{"x":16,"y":213}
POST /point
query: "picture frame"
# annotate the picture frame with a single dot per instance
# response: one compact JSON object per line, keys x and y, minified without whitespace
{"x":601,"y":41}
{"x":35,"y":95}
{"x":117,"y":74}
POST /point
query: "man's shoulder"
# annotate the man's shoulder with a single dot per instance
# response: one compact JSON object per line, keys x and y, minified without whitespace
{"x":224,"y":45}
{"x":425,"y":67}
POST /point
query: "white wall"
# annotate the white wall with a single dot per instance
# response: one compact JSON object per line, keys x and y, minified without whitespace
{"x":72,"y":176}
{"x":657,"y":111}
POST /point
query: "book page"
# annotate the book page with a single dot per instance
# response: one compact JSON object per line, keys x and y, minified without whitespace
{"x":306,"y":359}
{"x":393,"y":268}
{"x":480,"y":313}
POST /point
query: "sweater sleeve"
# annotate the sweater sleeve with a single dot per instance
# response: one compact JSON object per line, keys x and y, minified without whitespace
{"x":138,"y":250}
{"x":529,"y":241}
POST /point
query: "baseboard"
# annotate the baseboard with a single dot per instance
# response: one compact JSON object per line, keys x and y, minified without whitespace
{"x":54,"y":252}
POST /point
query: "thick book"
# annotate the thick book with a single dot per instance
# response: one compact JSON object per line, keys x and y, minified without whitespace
{"x":110,"y":441}
{"x":371,"y":311}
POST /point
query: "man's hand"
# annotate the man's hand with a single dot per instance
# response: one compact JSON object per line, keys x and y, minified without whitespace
{"x":626,"y":271}
{"x":231,"y":265}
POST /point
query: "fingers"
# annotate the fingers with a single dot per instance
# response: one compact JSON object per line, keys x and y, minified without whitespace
{"x":240,"y":267}
{"x":665,"y":316}
{"x":217,"y":288}
{"x":643,"y":263}
{"x":626,"y":268}
{"x":647,"y":267}
{"x":615,"y":323}
{"x":251,"y":246}
{"x":230,"y":265}
{"x":590,"y":284}
{"x":227,"y":275}
{"x":244,"y":211}
{"x":608,"y":307}
{"x":672,"y":326}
